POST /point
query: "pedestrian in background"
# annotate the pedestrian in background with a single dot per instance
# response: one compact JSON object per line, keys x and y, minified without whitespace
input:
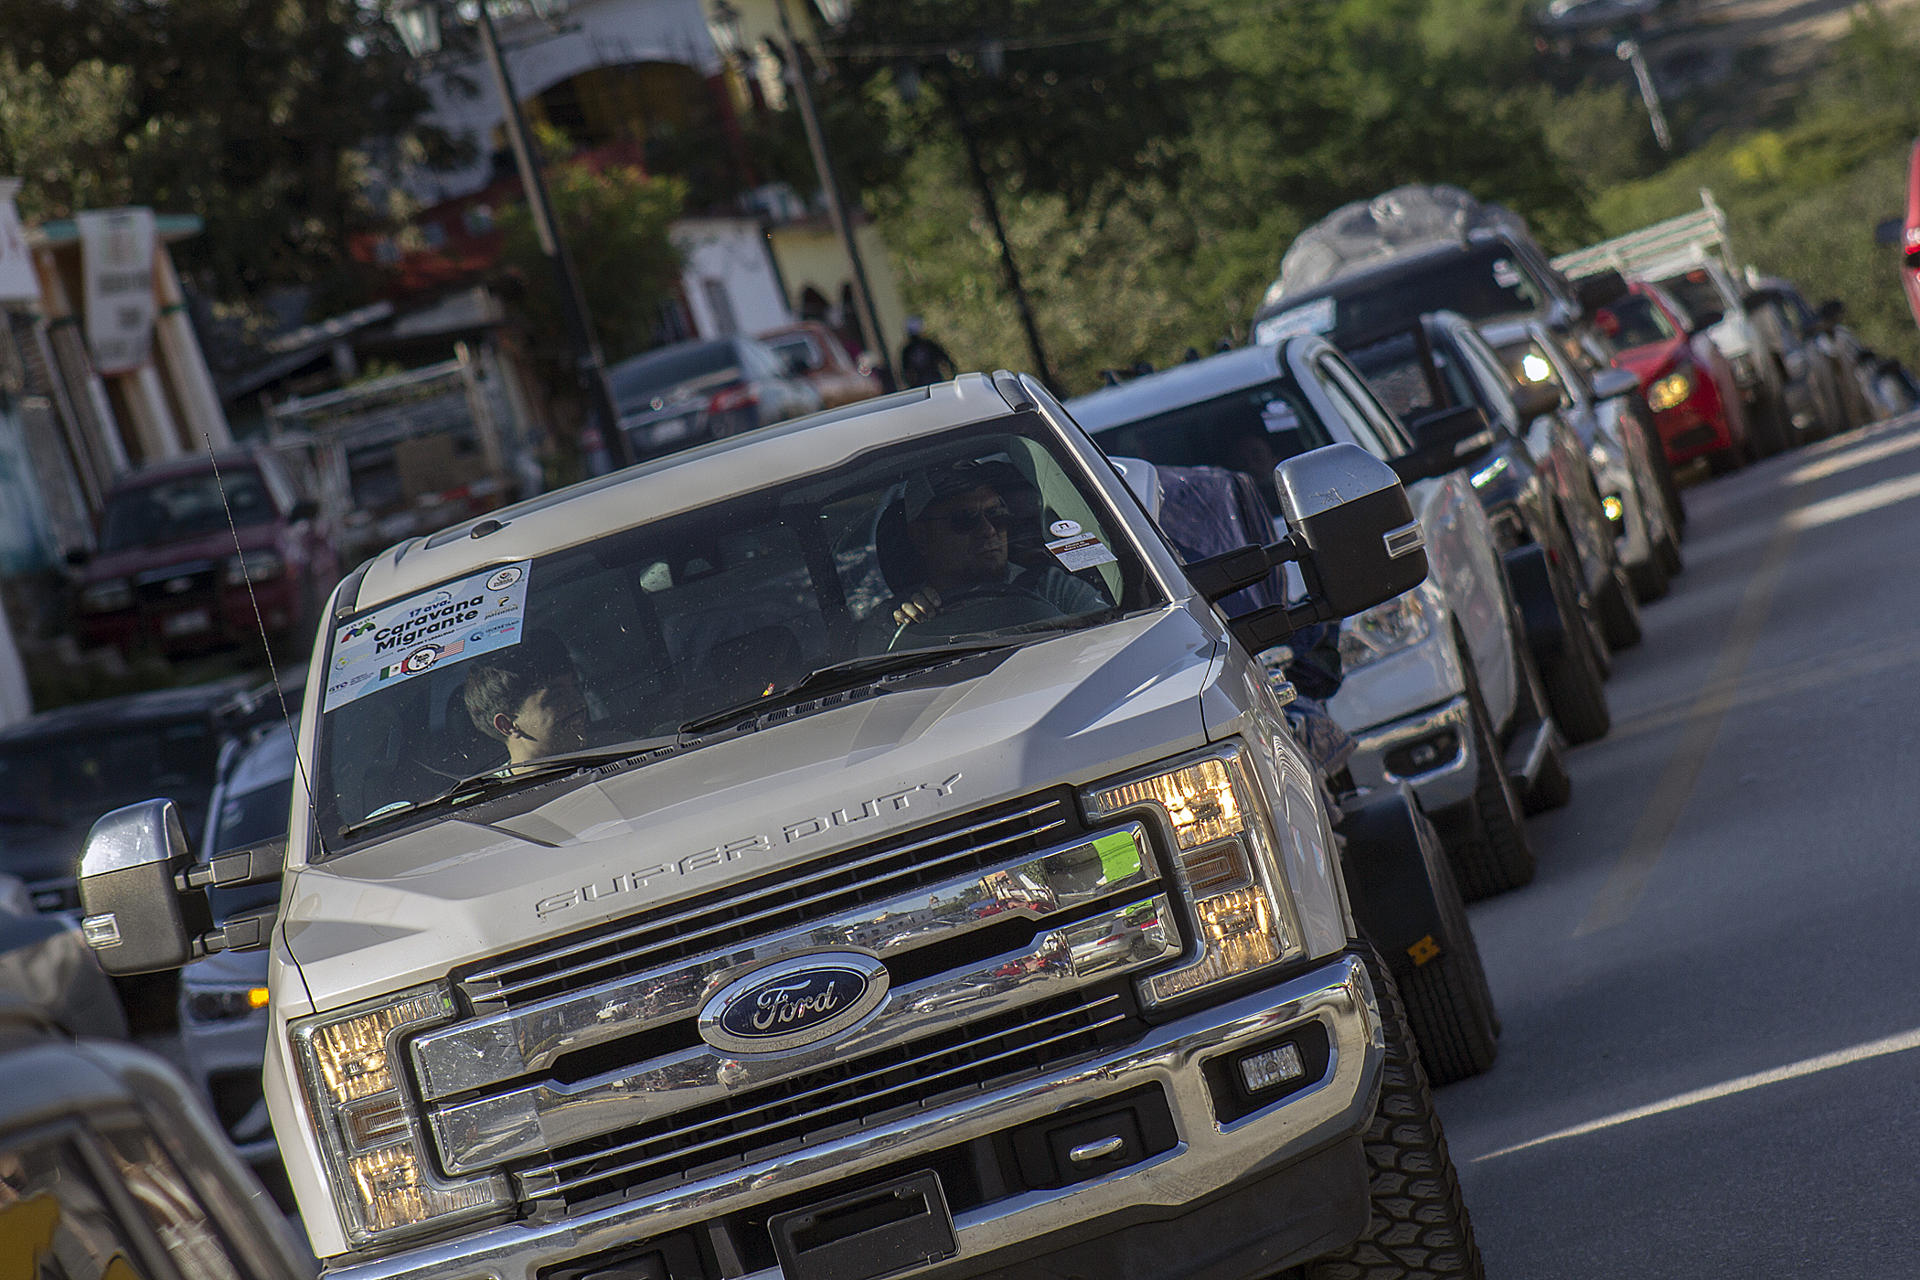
{"x":922,"y":360}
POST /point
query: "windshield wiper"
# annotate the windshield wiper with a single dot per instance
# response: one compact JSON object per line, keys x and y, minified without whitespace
{"x":509,"y":777}
{"x":850,"y":674}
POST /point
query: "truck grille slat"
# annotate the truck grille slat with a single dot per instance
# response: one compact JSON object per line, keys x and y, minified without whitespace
{"x":751,"y":1125}
{"x":765,"y":904}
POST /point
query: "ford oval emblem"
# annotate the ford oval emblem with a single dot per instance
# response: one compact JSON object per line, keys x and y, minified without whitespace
{"x":794,"y":1002}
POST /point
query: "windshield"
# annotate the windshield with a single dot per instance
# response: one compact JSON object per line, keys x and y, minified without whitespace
{"x":646,"y":376}
{"x":53,"y":788}
{"x":1398,"y":374}
{"x":1633,"y":321}
{"x":1697,"y":292}
{"x":1487,"y":282}
{"x":183,"y":507}
{"x":984,"y":533}
{"x":1251,"y":431}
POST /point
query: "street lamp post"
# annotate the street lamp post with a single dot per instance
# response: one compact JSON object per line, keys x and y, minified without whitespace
{"x":799,"y":79}
{"x":418,"y":22}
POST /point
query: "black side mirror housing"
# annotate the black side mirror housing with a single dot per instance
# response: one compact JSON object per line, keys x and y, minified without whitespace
{"x":78,"y":557}
{"x":1353,"y":534}
{"x":1444,"y":441}
{"x":1831,"y":312}
{"x":304,"y":509}
{"x":144,"y":904}
{"x":1536,"y":399}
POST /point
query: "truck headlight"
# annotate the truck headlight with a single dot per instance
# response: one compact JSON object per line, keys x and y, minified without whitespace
{"x":109,"y":596}
{"x":382,"y":1178}
{"x":1225,"y":858}
{"x":1669,"y":391}
{"x":1384,"y":630}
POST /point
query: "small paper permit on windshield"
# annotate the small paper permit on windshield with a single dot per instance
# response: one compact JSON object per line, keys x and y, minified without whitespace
{"x":1081,"y":551}
{"x":480,"y":613}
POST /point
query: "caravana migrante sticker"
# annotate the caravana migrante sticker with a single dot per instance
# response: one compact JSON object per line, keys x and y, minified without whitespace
{"x":453,"y":623}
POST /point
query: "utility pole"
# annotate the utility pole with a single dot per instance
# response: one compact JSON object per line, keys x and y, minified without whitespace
{"x":800,"y":79}
{"x":971,"y":144}
{"x":590,"y":371}
{"x":1628,"y":51}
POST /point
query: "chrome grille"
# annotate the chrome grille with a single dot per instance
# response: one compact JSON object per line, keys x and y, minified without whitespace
{"x":770,"y":903}
{"x":822,"y":1104}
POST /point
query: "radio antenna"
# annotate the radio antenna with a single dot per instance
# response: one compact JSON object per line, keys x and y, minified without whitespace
{"x":246,"y":576}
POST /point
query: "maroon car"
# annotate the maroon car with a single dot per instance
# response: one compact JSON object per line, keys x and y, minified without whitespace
{"x":169,"y":576}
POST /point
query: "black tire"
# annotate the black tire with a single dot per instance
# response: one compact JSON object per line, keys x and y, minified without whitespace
{"x":1769,"y":427}
{"x":1619,"y":611}
{"x":1668,"y":550}
{"x":1418,"y":1228}
{"x":1574,"y":677}
{"x":1553,"y":788}
{"x":1449,"y":1004}
{"x":1649,"y":578}
{"x":1495,"y":856}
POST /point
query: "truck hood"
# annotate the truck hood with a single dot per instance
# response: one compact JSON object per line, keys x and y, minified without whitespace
{"x":215,"y":546}
{"x":1068,"y":710}
{"x":1651,"y":361}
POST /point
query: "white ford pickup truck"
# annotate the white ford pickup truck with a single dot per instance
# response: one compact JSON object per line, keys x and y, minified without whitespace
{"x":853,"y":849}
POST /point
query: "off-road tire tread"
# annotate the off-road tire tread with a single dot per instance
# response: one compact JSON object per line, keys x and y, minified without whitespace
{"x":1418,"y":1228}
{"x":1619,"y":613}
{"x":1575,"y":677}
{"x":1496,"y":856}
{"x":1448,"y":1002}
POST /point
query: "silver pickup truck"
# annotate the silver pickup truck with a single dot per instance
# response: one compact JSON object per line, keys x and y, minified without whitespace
{"x":853,"y":849}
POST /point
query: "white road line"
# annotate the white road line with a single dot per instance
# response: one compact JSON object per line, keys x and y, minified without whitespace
{"x":1901,"y":1043}
{"x":1856,"y":503}
{"x":1864,"y":452}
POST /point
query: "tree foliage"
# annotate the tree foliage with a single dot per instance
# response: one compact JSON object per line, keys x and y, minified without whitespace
{"x":614,"y":220}
{"x":250,"y":113}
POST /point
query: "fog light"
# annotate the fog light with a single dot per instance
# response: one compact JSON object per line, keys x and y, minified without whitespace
{"x":1424,"y":755}
{"x":1270,"y":1068}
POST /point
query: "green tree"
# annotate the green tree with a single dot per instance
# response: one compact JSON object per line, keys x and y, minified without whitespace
{"x":614,"y":220}
{"x":254,"y":114}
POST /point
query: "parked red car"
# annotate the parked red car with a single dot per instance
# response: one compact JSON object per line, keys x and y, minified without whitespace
{"x":1687,"y":383}
{"x":167,"y":574}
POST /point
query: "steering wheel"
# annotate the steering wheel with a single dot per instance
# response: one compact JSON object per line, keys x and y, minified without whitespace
{"x":986,"y":607}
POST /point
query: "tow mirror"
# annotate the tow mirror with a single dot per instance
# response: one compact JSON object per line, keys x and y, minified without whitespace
{"x":1352,"y":532}
{"x":1444,"y":441}
{"x":143,"y":902}
{"x":1831,"y":312}
{"x":1611,"y":384}
{"x":1536,"y":399}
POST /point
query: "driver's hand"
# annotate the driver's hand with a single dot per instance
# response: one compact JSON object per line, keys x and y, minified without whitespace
{"x":918,"y":607}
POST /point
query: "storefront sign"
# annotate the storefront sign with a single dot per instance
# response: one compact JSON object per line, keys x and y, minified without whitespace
{"x":116,"y":258}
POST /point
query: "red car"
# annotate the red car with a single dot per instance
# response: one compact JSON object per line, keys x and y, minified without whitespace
{"x":168,"y":576}
{"x":1687,"y":383}
{"x":814,"y":352}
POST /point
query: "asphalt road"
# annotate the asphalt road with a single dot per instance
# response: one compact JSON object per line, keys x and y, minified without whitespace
{"x":1711,"y":993}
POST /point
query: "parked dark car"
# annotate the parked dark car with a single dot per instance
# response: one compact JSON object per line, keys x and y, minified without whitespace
{"x":1828,"y":387}
{"x":692,"y":392}
{"x":167,"y":574}
{"x":110,"y":1169}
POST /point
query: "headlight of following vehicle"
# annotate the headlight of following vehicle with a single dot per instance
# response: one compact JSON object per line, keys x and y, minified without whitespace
{"x":1669,"y":391}
{"x":1384,"y":630}
{"x":378,"y":1167}
{"x":1230,"y":868}
{"x":256,"y":566}
{"x":223,"y":1004}
{"x":110,"y":596}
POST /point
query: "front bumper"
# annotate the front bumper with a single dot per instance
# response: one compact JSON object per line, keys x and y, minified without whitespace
{"x":1433,"y":751}
{"x":1209,"y":1157}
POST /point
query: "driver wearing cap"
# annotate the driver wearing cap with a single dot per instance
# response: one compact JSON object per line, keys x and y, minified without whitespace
{"x":959,"y":522}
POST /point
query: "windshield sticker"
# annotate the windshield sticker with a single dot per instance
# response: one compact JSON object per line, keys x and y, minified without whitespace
{"x":1505,"y":274}
{"x":1311,"y":317}
{"x":478,"y":614}
{"x":1082,"y":551}
{"x":1064,"y":528}
{"x":1278,"y":416}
